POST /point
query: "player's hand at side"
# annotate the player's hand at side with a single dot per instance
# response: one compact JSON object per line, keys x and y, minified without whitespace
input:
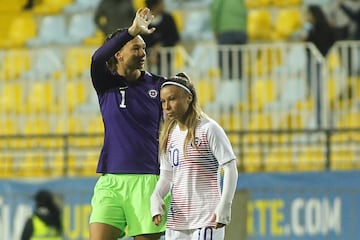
{"x":157,"y":209}
{"x":141,"y":22}
{"x":217,"y":224}
{"x":157,"y":219}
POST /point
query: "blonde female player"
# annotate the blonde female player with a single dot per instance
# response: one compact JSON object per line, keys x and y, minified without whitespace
{"x":193,"y":148}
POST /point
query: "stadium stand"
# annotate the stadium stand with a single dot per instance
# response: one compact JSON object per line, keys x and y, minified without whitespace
{"x":259,"y":24}
{"x":17,"y":30}
{"x":257,"y":3}
{"x":15,"y":62}
{"x":287,"y":21}
{"x":80,"y":27}
{"x":46,"y":7}
{"x":50,"y":121}
{"x":79,"y":6}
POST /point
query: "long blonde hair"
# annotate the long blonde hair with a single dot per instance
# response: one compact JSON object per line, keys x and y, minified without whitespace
{"x":192,"y":115}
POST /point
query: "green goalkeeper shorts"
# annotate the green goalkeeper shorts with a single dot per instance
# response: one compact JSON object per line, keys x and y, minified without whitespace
{"x":123,"y":201}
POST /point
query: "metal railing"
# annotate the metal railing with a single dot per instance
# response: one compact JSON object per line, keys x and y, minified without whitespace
{"x":67,"y":155}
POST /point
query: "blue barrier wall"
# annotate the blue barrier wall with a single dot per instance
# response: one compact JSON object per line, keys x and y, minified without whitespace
{"x":318,"y":205}
{"x":279,"y":206}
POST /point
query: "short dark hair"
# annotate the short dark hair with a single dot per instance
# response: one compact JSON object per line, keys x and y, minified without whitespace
{"x":111,"y":62}
{"x":43,"y":197}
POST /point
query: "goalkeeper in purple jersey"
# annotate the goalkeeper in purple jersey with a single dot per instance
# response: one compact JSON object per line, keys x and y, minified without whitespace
{"x":131,"y":111}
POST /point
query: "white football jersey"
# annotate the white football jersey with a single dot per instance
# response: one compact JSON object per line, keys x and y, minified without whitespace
{"x":195,"y":187}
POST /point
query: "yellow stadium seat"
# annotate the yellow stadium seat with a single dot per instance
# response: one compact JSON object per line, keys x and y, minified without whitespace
{"x":262,"y":92}
{"x":52,"y":142}
{"x":96,"y":40}
{"x":13,"y":6}
{"x":3,"y":142}
{"x":33,"y":165}
{"x":357,"y":89}
{"x":350,"y":120}
{"x":293,"y":121}
{"x":257,"y":138}
{"x":15,"y":62}
{"x":307,"y":104}
{"x":5,"y":18}
{"x":95,"y":125}
{"x":260,"y":121}
{"x":286,"y":3}
{"x":57,"y":164}
{"x":82,"y":163}
{"x":235,"y":140}
{"x":333,"y":61}
{"x":344,"y":158}
{"x":331,"y":90}
{"x":21,"y":142}
{"x":256,"y":3}
{"x":9,"y":126}
{"x":281,"y":138}
{"x":11,"y":98}
{"x":340,"y":138}
{"x":230,"y":120}
{"x":21,"y":29}
{"x":287,"y":21}
{"x":179,"y":58}
{"x":266,"y":61}
{"x":280,"y":159}
{"x":77,"y":61}
{"x":138,"y":4}
{"x":41,"y":98}
{"x":251,"y":138}
{"x":343,"y":151}
{"x":252,"y":159}
{"x":206,"y":92}
{"x":6,"y":166}
{"x":259,"y":24}
{"x":79,"y":141}
{"x":311,"y":158}
{"x":250,"y":106}
{"x":47,"y":7}
{"x":179,"y":19}
{"x":96,"y":141}
{"x":34,"y":126}
{"x":70,"y":124}
{"x":75,"y":94}
{"x":74,"y":166}
{"x":90,"y":165}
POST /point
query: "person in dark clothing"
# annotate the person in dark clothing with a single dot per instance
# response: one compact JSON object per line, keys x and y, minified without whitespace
{"x":323,"y":36}
{"x":29,"y":5}
{"x":113,"y":14}
{"x":320,"y":33}
{"x":166,"y":35}
{"x":131,"y":111}
{"x":45,"y":223}
{"x":354,"y":15}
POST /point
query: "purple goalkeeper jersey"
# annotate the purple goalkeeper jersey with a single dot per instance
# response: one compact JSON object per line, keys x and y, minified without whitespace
{"x":131,"y":114}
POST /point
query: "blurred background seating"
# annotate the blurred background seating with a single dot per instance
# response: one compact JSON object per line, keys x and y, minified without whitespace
{"x":50,"y":118}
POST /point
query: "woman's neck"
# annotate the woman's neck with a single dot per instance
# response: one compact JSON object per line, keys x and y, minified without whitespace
{"x":130,"y":76}
{"x":182,"y":126}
